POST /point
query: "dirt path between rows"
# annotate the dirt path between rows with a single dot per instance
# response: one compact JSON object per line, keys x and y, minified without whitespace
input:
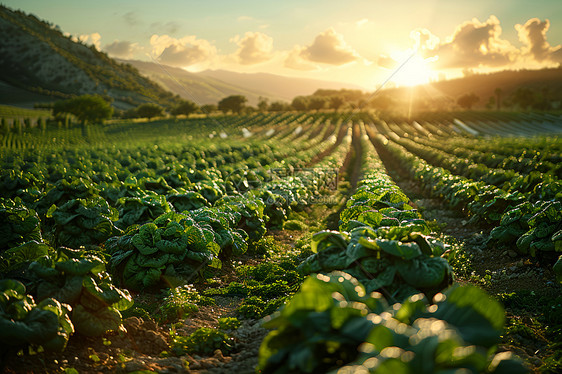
{"x":500,"y":271}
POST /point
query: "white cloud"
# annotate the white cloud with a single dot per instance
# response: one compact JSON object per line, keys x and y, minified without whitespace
{"x":254,"y":48}
{"x":93,"y":38}
{"x":473,"y":44}
{"x":181,"y":52}
{"x":533,"y":35}
{"x":329,"y":47}
{"x":122,"y":49}
{"x":295,"y":61}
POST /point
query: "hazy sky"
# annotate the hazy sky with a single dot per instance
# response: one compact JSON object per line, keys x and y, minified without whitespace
{"x":356,"y":41}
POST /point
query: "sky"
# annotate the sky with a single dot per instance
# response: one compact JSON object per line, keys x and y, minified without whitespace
{"x":362,"y":42}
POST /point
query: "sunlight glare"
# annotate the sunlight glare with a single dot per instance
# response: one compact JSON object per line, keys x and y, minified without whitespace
{"x":416,"y":71}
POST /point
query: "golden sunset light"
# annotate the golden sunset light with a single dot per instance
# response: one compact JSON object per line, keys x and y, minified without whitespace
{"x":279,"y":187}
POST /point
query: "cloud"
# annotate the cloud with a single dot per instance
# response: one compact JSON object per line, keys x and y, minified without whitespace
{"x":170,"y":27}
{"x":295,"y":61}
{"x":244,"y":18}
{"x":473,"y":44}
{"x":329,"y":47}
{"x":121,"y":49}
{"x":361,"y":22}
{"x":254,"y":47}
{"x":533,"y":35}
{"x":386,"y":62}
{"x":181,"y":52}
{"x":131,"y":18}
{"x":93,"y":38}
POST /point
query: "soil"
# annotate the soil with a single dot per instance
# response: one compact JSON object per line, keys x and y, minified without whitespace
{"x":497,"y":270}
{"x":144,"y":345}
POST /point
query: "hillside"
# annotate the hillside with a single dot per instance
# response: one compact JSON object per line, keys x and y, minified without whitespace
{"x":210,"y":86}
{"x":547,"y":82}
{"x":284,"y":87}
{"x":195,"y":87}
{"x":36,"y":58}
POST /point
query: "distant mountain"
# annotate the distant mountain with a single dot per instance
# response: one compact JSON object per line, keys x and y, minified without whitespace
{"x":210,"y":86}
{"x":284,"y":87}
{"x":198,"y":88}
{"x":39,"y":63}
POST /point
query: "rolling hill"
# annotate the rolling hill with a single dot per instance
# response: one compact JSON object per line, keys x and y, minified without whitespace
{"x":39,"y":63}
{"x":547,"y":82}
{"x":210,"y":86}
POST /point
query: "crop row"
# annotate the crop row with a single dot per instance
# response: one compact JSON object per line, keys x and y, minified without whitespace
{"x":112,"y":212}
{"x":374,"y":300}
{"x":533,"y":225}
{"x":506,"y":179}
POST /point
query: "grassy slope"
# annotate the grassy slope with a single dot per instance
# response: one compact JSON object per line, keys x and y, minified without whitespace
{"x":38,"y":58}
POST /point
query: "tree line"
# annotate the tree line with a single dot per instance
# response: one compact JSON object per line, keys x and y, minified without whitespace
{"x":95,"y":108}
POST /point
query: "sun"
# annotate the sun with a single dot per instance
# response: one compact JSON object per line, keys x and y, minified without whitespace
{"x":412,"y":69}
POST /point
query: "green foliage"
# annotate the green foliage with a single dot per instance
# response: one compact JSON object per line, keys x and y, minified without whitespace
{"x":140,"y":210}
{"x":333,"y":324}
{"x":466,"y":101}
{"x":18,"y":224}
{"x":172,"y":243}
{"x":180,"y":302}
{"x":25,"y":323}
{"x":203,"y":341}
{"x":233,"y":103}
{"x":185,"y":108}
{"x":149,"y":110}
{"x":80,"y":280}
{"x":399,"y":266}
{"x":228,"y":323}
{"x":82,"y":222}
{"x":87,"y":108}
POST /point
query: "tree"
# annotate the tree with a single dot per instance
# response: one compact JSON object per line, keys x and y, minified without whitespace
{"x":233,"y":103}
{"x":491,"y":102}
{"x":468,"y":100}
{"x":336,"y":102}
{"x":278,"y":106}
{"x":262,"y":104}
{"x":208,"y":108}
{"x":185,"y":107}
{"x":524,"y":97}
{"x":317,"y":102}
{"x":149,"y":110}
{"x":87,"y":108}
{"x":498,"y":92}
{"x":300,"y":103}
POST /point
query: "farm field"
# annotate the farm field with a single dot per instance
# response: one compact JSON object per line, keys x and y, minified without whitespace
{"x":283,"y":243}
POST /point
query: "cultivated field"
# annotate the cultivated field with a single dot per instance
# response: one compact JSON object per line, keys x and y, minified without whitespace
{"x":284,"y":243}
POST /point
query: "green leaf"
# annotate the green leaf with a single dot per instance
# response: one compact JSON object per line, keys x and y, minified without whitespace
{"x":97,"y":323}
{"x":326,"y":239}
{"x":424,"y":272}
{"x":478,"y":318}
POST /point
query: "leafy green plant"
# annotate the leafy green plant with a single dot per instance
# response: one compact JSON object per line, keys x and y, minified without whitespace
{"x":203,"y":341}
{"x":82,"y":222}
{"x":228,"y":323}
{"x":140,"y":210}
{"x":398,"y":267}
{"x":79,"y":279}
{"x":181,"y":301}
{"x":172,"y":244}
{"x":64,"y":191}
{"x":333,"y":324}
{"x":18,"y":224}
{"x":25,"y":323}
{"x":251,"y":210}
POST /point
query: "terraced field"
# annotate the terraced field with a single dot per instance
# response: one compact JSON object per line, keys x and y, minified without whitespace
{"x":283,"y":242}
